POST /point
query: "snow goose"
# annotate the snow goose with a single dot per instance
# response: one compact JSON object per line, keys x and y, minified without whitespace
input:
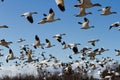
{"x":28,"y":54}
{"x":92,"y":54}
{"x":85,"y":24}
{"x":106,"y":11}
{"x":82,"y":13}
{"x":10,"y":56}
{"x":60,"y":4}
{"x":116,"y":24}
{"x":22,"y":56}
{"x":4,"y":26}
{"x":37,"y":43}
{"x":84,"y":50}
{"x":28,"y":16}
{"x":74,"y":47}
{"x":24,"y":47}
{"x":117,"y":52}
{"x":70,"y":56}
{"x":86,"y":4}
{"x":49,"y":17}
{"x":93,"y":41}
{"x":20,"y":40}
{"x":58,"y":37}
{"x":64,"y":45}
{"x":29,"y":58}
{"x":102,"y":50}
{"x":4,"y":43}
{"x":48,"y":43}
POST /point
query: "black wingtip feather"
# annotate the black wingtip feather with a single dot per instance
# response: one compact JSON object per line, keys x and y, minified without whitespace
{"x":51,"y":10}
{"x":36,"y":37}
{"x":61,"y":7}
{"x":47,"y":40}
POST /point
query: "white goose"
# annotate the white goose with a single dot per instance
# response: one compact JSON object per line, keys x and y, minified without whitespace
{"x":28,"y":16}
{"x":24,"y":47}
{"x":82,"y":13}
{"x":64,"y":45}
{"x":29,"y":58}
{"x":85,"y":24}
{"x":101,"y":50}
{"x":106,"y":11}
{"x":116,"y":24}
{"x":93,"y":41}
{"x":4,"y":26}
{"x":10,"y":56}
{"x":20,"y":40}
{"x":58,"y":37}
{"x":48,"y":43}
{"x":117,"y":52}
{"x":49,"y":17}
{"x":4,"y":43}
{"x":74,"y":47}
{"x":86,"y":4}
{"x":60,"y":4}
{"x":37,"y":43}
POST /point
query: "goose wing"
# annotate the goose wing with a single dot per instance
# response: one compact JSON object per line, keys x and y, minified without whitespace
{"x":60,"y":4}
{"x":51,"y":14}
{"x":30,"y":19}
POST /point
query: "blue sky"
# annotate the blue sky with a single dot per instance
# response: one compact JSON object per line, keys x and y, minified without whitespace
{"x":19,"y":27}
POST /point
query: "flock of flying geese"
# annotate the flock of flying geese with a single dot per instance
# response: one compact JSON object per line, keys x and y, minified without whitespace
{"x":48,"y":18}
{"x":83,"y":5}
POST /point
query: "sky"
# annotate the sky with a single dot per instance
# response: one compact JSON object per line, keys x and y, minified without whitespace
{"x":19,"y":27}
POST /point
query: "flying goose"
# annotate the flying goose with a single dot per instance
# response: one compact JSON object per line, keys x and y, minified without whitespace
{"x":86,"y":4}
{"x":24,"y":47}
{"x":28,"y":16}
{"x":70,"y":56}
{"x":74,"y":47}
{"x":48,"y":43}
{"x":29,"y":58}
{"x":92,"y":54}
{"x":82,"y":13}
{"x":116,"y":24}
{"x":106,"y":11}
{"x":49,"y":17}
{"x":37,"y":43}
{"x":4,"y":26}
{"x":60,"y":4}
{"x":11,"y":56}
{"x":85,"y":24}
{"x":84,"y":50}
{"x":4,"y":43}
{"x":117,"y":52}
{"x":58,"y":37}
{"x":20,"y":40}
{"x":64,"y":45}
{"x":102,"y":50}
{"x":22,"y":56}
{"x":93,"y":41}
